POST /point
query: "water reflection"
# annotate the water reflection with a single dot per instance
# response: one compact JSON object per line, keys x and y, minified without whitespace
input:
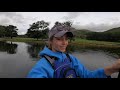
{"x":9,"y":47}
{"x":17,"y":58}
{"x":114,"y":52}
{"x":34,"y":48}
{"x":15,"y":65}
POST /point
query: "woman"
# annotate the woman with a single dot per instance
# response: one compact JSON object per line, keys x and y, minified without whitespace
{"x":56,"y":63}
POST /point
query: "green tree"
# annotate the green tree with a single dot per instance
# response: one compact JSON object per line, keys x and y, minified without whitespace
{"x":37,"y":28}
{"x":68,"y":23}
{"x":11,"y":31}
{"x":2,"y":31}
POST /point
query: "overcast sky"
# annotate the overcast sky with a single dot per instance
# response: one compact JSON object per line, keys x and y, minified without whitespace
{"x":95,"y":21}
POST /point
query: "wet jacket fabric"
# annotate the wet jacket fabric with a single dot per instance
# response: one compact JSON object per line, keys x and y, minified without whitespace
{"x":43,"y":69}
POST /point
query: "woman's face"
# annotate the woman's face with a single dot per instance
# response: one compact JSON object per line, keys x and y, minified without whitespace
{"x":59,"y":43}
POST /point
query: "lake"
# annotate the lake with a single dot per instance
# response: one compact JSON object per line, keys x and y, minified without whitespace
{"x":17,"y":58}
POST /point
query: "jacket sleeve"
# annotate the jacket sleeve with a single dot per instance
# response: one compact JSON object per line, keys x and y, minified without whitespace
{"x":37,"y":71}
{"x":83,"y":72}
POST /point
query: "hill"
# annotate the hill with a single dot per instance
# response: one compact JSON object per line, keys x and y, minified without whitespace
{"x":82,"y":33}
{"x":113,"y":30}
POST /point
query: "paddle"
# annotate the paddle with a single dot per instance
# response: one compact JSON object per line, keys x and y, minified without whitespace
{"x":119,"y":74}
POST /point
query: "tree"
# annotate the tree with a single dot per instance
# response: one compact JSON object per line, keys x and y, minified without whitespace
{"x":36,"y":29}
{"x":2,"y":31}
{"x":57,"y":23}
{"x":11,"y":31}
{"x":68,"y":23}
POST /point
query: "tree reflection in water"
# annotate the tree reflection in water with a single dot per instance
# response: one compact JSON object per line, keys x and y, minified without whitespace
{"x":112,"y":51}
{"x":9,"y":47}
{"x":35,"y":48}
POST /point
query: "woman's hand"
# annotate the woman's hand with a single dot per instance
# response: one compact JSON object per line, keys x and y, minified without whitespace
{"x":112,"y":68}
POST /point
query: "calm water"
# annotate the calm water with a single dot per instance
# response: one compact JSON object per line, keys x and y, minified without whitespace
{"x":17,"y":59}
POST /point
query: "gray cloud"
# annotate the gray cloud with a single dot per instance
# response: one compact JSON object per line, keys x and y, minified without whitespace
{"x":81,"y":20}
{"x":4,"y":21}
{"x":72,"y":15}
{"x":11,"y":17}
{"x":97,"y":27}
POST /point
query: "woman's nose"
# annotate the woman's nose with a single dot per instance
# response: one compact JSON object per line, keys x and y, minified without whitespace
{"x":64,"y":41}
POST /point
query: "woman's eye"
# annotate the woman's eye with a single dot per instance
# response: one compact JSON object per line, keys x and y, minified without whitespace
{"x":67,"y":38}
{"x":58,"y":39}
{"x":61,"y":38}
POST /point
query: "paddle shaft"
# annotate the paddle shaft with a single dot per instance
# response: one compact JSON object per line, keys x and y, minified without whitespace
{"x":119,"y":74}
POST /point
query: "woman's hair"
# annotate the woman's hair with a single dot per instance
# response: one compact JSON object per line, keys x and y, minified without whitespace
{"x":49,"y":42}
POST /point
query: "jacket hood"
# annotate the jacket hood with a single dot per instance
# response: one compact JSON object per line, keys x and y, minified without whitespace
{"x":47,"y":51}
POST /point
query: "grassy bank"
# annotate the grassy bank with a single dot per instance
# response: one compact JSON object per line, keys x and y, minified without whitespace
{"x":94,"y":43}
{"x":16,"y":39}
{"x":77,"y":41}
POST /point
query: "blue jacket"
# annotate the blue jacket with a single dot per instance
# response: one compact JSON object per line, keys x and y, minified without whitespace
{"x":43,"y":68}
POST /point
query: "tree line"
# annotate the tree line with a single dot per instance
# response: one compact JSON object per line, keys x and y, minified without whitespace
{"x":104,"y":36}
{"x":39,"y":29}
{"x":8,"y":31}
{"x":36,"y":30}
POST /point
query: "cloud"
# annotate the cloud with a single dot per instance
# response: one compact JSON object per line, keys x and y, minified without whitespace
{"x":97,"y":27}
{"x":4,"y":21}
{"x":11,"y":17}
{"x":72,"y":15}
{"x":95,"y":21}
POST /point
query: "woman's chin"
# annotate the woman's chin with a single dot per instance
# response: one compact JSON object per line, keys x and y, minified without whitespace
{"x":63,"y":50}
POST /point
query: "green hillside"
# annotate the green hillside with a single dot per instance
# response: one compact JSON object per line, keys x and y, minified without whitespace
{"x":109,"y":35}
{"x":81,"y":33}
{"x":113,"y":30}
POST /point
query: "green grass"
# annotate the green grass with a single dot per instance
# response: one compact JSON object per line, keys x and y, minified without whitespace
{"x":77,"y":41}
{"x":16,"y":39}
{"x":94,"y":43}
